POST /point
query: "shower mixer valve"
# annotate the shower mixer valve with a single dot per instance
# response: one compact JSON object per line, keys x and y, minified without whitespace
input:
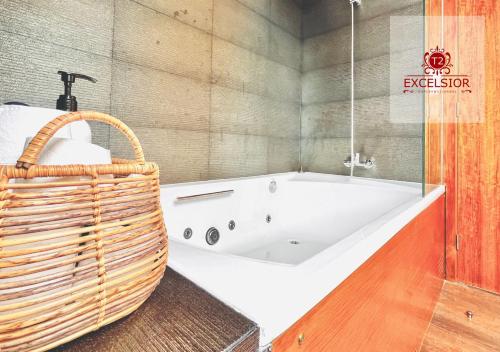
{"x":367,"y":164}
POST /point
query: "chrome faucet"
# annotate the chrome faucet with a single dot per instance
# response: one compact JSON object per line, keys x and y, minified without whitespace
{"x":367,"y":164}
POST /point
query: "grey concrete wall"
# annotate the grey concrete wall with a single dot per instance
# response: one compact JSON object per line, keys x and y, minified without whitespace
{"x":217,"y":88}
{"x":326,"y":79}
{"x":211,"y":87}
{"x":38,"y":38}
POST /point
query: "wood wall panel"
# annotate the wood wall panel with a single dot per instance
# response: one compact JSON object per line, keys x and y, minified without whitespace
{"x":387,"y":303}
{"x":478,"y":212}
{"x":470,"y":153}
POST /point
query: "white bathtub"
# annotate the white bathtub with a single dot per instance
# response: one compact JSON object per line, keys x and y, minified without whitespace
{"x":289,"y":248}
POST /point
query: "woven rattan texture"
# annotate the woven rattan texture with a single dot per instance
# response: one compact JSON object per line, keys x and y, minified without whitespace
{"x":80,"y":245}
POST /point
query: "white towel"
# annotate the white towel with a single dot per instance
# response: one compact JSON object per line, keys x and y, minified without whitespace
{"x":19,"y":122}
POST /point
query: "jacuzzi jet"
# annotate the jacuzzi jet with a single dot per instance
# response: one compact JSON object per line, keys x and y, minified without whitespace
{"x":188,"y":233}
{"x":212,"y":236}
{"x":294,"y":242}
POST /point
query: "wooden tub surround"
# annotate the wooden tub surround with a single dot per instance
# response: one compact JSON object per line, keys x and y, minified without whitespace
{"x":387,"y":303}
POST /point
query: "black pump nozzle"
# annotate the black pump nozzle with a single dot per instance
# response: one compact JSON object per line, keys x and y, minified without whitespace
{"x":68,"y":102}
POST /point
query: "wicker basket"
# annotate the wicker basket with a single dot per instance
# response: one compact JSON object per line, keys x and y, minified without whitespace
{"x":79,"y":251}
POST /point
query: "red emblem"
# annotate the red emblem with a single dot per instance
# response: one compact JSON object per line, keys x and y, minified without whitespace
{"x":437,"y":61}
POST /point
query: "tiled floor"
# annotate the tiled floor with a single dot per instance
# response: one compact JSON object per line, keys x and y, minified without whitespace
{"x":450,"y":329}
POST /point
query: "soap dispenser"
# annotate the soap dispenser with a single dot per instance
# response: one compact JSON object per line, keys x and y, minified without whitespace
{"x":67,"y":101}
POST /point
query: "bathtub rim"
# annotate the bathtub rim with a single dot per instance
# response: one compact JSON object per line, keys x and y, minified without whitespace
{"x":416,"y":186}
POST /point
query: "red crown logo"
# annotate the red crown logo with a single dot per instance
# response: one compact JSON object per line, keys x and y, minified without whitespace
{"x":437,"y":61}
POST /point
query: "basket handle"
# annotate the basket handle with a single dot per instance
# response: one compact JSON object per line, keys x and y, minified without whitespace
{"x":32,"y":152}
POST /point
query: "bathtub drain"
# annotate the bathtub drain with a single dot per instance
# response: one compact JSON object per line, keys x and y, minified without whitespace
{"x":294,"y":242}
